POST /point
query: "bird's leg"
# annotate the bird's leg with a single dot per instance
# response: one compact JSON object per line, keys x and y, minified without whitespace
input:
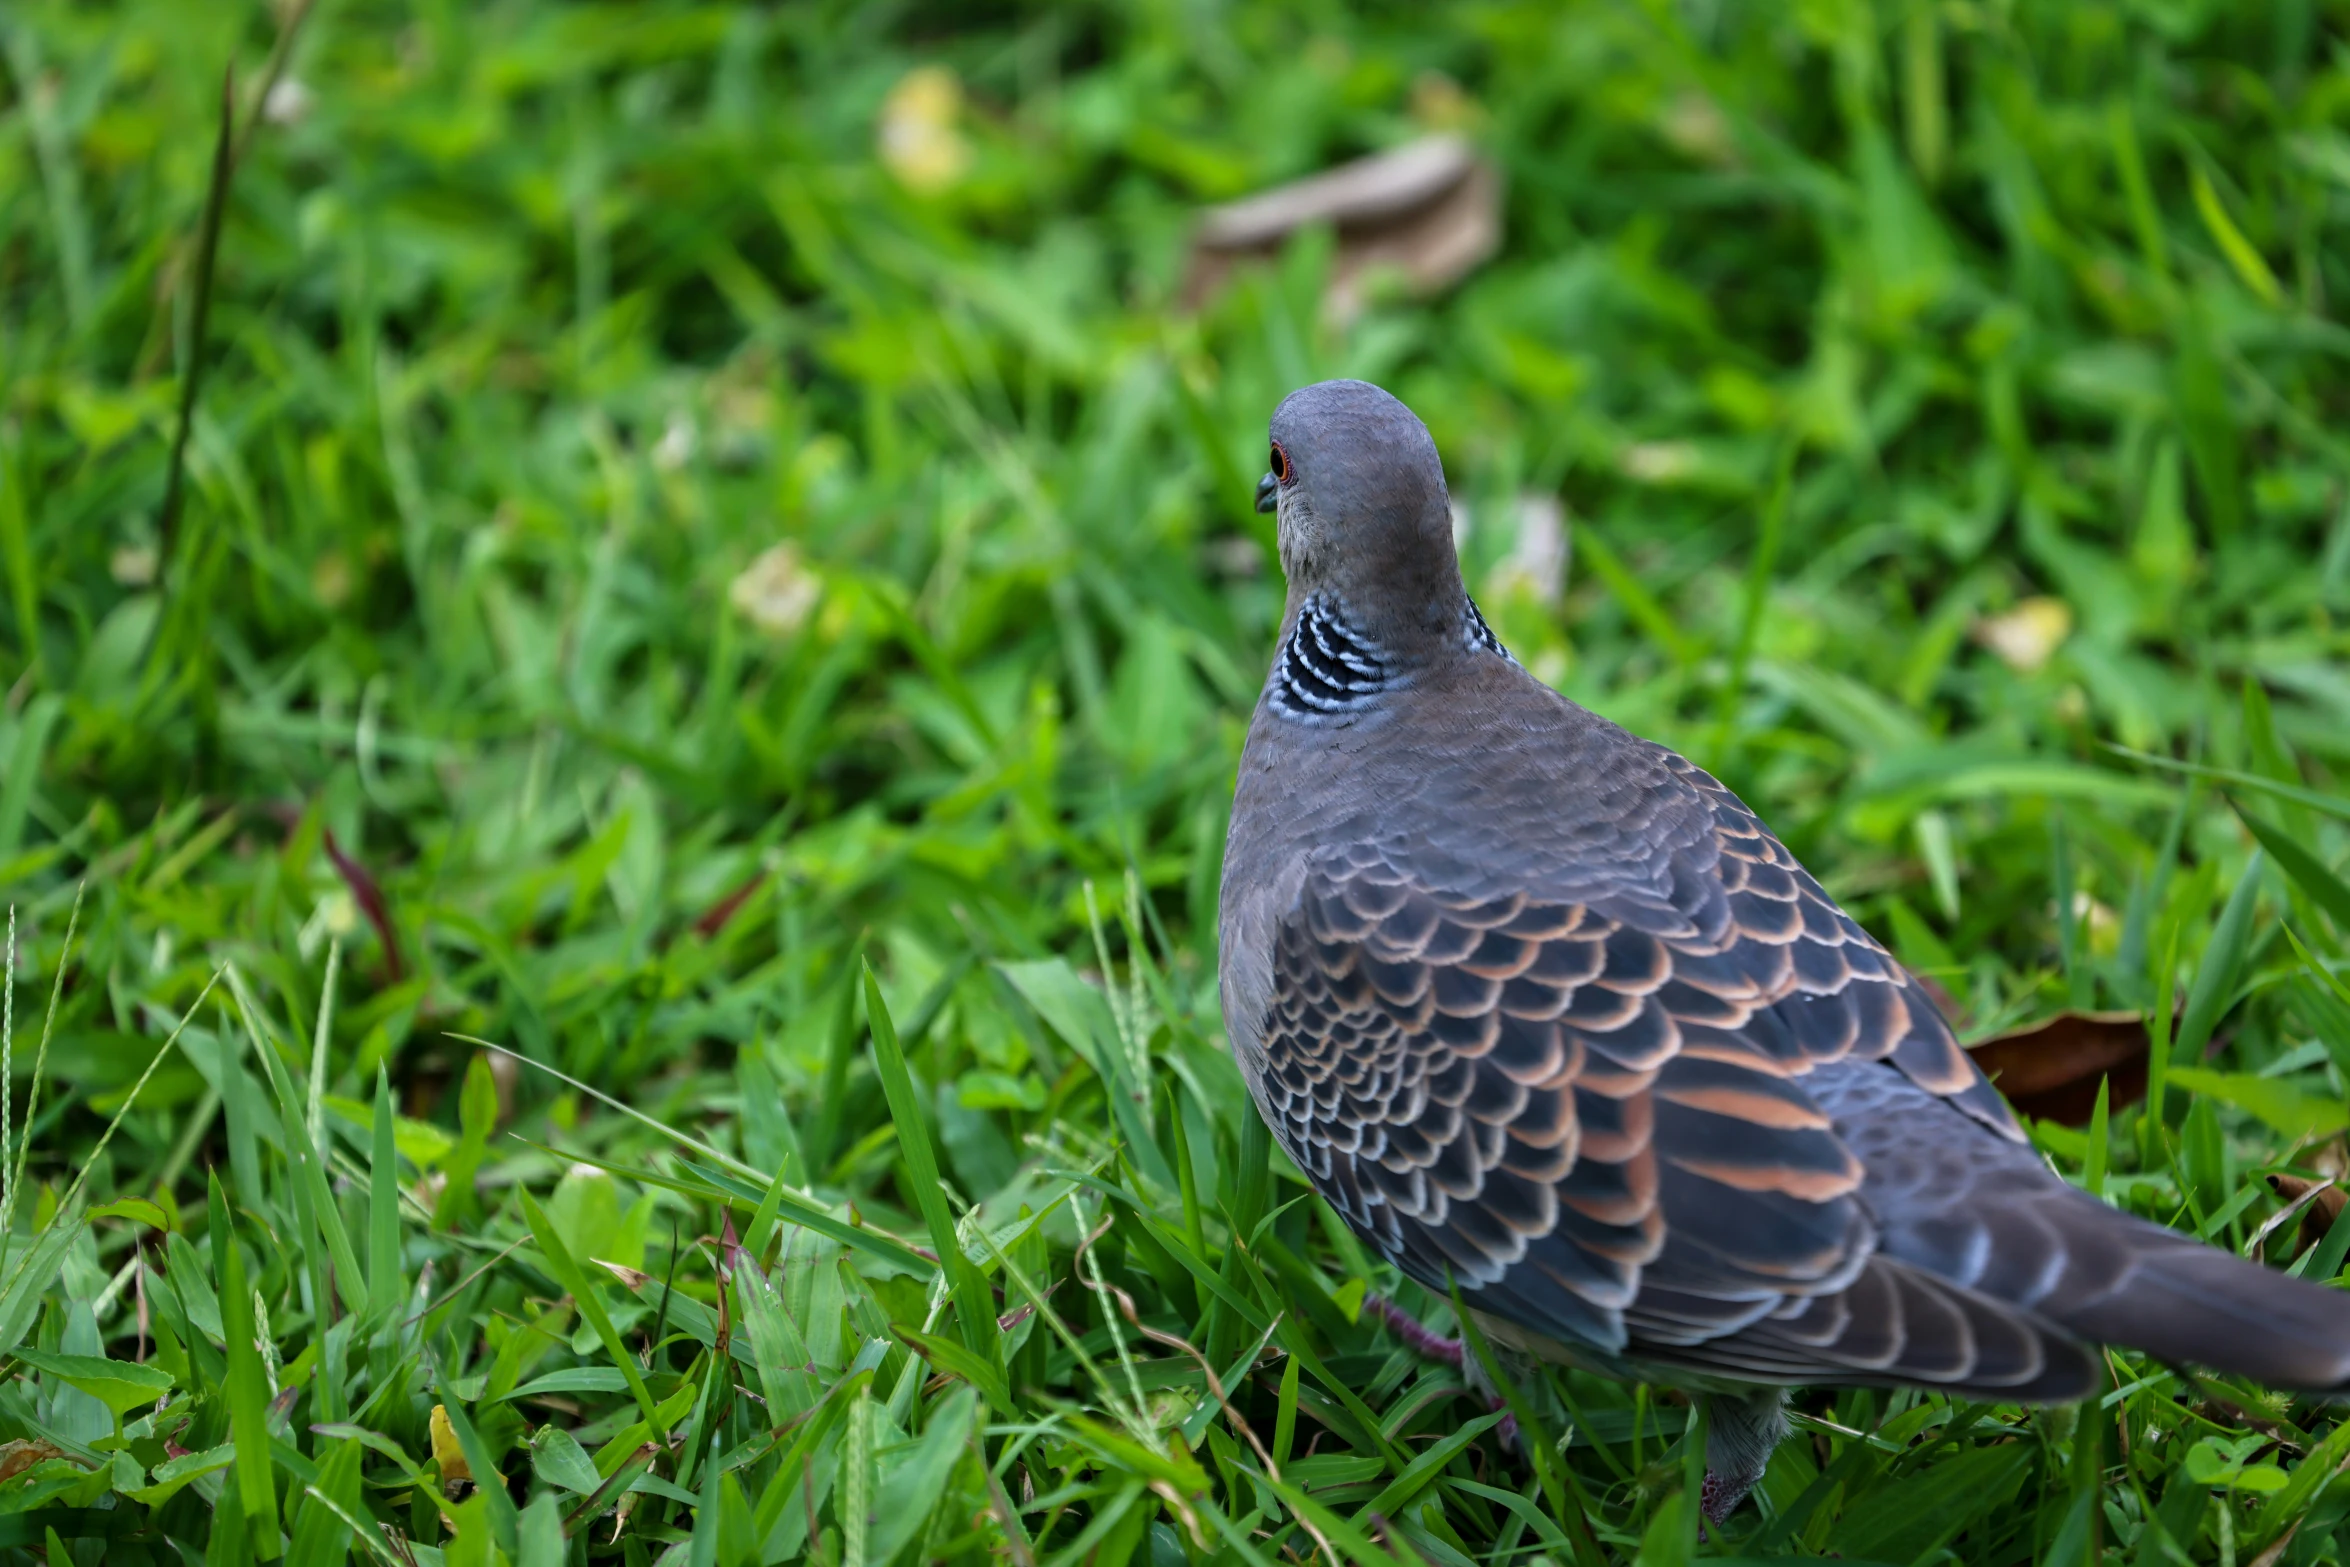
{"x":1425,"y":1342}
{"x":1741,"y":1431}
{"x":1417,"y":1336}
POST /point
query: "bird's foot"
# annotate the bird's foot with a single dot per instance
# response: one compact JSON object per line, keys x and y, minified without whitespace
{"x":1508,"y":1429}
{"x":1719,"y":1497}
{"x":1742,"y":1429}
{"x":1424,"y":1341}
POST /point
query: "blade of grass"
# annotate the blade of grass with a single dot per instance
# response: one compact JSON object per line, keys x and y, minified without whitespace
{"x":387,"y":1285}
{"x":802,"y":1212}
{"x":1757,"y":591}
{"x":194,"y":358}
{"x":36,"y":1273}
{"x":490,"y":1483}
{"x":1648,"y":614}
{"x":82,"y":1176}
{"x":566,"y":1272}
{"x":326,"y":1017}
{"x":2327,"y":890}
{"x":2159,"y":1016}
{"x":8,"y":1083}
{"x":314,"y":1200}
{"x":974,"y":1306}
{"x":248,"y":1390}
{"x":832,"y":1089}
{"x":1556,"y":1479}
{"x":2100,"y":1141}
{"x":15,"y":1163}
{"x":723,"y":1160}
{"x":2325,"y":804}
{"x":2145,"y":215}
{"x":2249,"y":265}
{"x":2215,"y":976}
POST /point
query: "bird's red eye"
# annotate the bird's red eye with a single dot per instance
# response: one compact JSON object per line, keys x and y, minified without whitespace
{"x":1280,"y":463}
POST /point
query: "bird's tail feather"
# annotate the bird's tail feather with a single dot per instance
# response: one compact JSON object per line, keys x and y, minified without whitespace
{"x":2182,"y":1301}
{"x":1897,"y":1325}
{"x":2097,"y":1276}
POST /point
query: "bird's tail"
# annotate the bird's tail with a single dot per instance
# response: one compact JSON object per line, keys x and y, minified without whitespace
{"x":2129,"y":1282}
{"x":2052,"y":1273}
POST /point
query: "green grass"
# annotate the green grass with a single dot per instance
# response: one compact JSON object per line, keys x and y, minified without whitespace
{"x":455,"y":710}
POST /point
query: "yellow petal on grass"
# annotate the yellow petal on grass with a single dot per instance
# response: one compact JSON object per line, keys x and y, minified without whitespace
{"x":918,"y":139}
{"x":2027,"y":636}
{"x":445,"y":1450}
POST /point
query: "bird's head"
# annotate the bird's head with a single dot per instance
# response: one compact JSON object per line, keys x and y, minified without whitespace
{"x":1363,"y":513}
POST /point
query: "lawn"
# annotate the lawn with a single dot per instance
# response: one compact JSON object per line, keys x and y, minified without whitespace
{"x":626,"y":632}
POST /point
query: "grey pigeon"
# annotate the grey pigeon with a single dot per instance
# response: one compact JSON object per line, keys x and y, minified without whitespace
{"x":1540,"y":1007}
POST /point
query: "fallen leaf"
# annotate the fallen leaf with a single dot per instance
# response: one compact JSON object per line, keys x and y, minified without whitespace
{"x":2318,"y":1218}
{"x":634,"y":1278}
{"x":1430,"y":209}
{"x":2050,"y":1070}
{"x":18,"y":1456}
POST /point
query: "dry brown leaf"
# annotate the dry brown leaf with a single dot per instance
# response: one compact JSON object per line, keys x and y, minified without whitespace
{"x":18,"y":1456}
{"x":2318,"y":1218}
{"x":2050,"y":1070}
{"x":634,"y":1278}
{"x":1430,"y":209}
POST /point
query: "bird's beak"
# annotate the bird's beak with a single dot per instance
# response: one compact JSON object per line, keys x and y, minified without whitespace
{"x":1268,"y":490}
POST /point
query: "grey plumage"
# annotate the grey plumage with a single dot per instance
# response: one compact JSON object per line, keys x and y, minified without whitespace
{"x":1539,"y":1006}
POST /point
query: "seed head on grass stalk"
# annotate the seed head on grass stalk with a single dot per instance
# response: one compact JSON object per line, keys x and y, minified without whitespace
{"x":82,"y":1177}
{"x":8,"y":1081}
{"x":12,"y":1169}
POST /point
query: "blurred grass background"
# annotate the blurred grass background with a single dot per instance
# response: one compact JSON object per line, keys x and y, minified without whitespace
{"x":685,"y":502}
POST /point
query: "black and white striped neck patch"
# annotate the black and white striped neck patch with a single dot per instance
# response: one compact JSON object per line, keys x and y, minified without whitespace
{"x":1325,"y":668}
{"x":1328,"y":669}
{"x":1477,"y":634}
